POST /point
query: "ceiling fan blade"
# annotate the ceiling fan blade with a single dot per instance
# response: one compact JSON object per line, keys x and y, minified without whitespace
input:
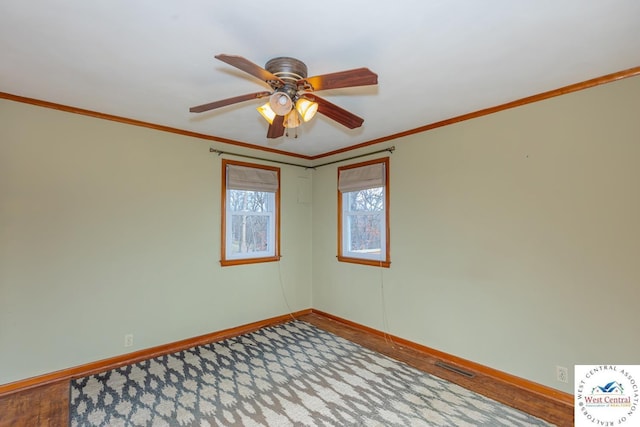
{"x":336,"y":113}
{"x":228,"y":101}
{"x":276,"y":129}
{"x":251,"y":68}
{"x":349,"y":78}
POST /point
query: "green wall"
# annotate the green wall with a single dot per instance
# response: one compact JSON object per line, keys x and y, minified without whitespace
{"x":515,"y":238}
{"x":108,"y":229}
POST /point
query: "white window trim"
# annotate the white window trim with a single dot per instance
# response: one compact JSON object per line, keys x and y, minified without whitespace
{"x":378,"y":255}
{"x":271,"y":231}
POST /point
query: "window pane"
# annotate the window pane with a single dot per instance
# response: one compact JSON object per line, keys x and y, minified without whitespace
{"x":369,"y":200}
{"x":249,"y":201}
{"x":252,"y":225}
{"x":364,"y":215}
{"x":365,"y":233}
{"x":249,"y":233}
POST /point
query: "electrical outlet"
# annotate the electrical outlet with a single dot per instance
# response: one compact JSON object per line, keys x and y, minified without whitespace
{"x":128,"y":340}
{"x":562,"y":374}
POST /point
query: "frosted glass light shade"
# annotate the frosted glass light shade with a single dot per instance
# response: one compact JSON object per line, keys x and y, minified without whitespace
{"x":267,"y":112}
{"x":292,"y":120}
{"x":280,"y":103}
{"x":306,"y":108}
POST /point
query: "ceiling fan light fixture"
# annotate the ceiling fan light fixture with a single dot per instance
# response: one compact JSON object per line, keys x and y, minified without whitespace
{"x":267,"y":112}
{"x":288,"y":80}
{"x":280,"y":103}
{"x":292,"y":120}
{"x":306,"y":108}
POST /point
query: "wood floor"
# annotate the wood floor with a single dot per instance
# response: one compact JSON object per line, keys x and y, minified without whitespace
{"x":554,"y":412}
{"x":41,"y":406}
{"x":48,"y":405}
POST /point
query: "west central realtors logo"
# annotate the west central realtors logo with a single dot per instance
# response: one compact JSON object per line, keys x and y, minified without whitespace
{"x":606,"y":395}
{"x":609,"y":394}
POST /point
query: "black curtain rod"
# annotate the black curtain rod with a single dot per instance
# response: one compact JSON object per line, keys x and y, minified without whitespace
{"x":389,"y":149}
{"x":220,"y":152}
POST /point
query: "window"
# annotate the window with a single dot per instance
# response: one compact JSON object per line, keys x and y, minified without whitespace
{"x":250,"y":213}
{"x":363,"y":213}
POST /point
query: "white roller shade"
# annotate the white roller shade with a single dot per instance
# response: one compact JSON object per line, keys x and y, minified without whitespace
{"x":251,"y":179}
{"x":356,"y":179}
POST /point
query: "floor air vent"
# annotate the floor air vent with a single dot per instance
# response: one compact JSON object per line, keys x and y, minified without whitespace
{"x":455,"y":369}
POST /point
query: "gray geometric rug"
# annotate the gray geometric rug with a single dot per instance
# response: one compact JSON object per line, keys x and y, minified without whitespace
{"x":292,"y":374}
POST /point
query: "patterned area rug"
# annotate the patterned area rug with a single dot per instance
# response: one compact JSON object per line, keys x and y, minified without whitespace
{"x":292,"y":374}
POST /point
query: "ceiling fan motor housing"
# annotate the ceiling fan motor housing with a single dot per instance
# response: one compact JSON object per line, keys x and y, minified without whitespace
{"x":289,"y":70}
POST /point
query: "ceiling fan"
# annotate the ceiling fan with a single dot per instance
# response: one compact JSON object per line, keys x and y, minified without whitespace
{"x":292,"y":96}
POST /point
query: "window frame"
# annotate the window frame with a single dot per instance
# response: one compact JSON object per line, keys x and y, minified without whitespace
{"x":386,"y":262}
{"x":224,"y":259}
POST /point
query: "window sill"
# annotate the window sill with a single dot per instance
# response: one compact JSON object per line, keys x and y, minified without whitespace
{"x":364,"y":261}
{"x":242,"y":261}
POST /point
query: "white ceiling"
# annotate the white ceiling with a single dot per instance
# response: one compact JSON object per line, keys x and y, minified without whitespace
{"x":151,"y":60}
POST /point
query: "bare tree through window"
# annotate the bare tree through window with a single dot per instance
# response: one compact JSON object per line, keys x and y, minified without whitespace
{"x":364,"y":215}
{"x":250,"y":211}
